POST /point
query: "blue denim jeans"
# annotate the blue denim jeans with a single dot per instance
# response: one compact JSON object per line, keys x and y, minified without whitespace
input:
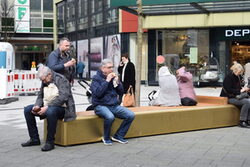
{"x":52,"y":115}
{"x":109,"y":113}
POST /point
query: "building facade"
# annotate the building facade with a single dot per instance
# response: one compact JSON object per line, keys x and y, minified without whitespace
{"x":202,"y":35}
{"x":28,"y":26}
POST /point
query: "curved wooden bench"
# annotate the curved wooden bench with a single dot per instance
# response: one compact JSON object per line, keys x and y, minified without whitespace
{"x":210,"y":112}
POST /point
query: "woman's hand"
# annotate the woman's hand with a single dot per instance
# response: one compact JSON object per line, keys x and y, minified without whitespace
{"x":245,"y":89}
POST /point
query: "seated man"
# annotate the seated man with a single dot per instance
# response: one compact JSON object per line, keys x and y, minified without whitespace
{"x":54,"y":101}
{"x":106,"y":89}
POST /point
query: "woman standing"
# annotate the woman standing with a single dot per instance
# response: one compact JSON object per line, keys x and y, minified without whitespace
{"x":126,"y":70}
{"x":232,"y":86}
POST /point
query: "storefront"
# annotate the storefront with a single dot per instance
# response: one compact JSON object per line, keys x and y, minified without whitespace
{"x":32,"y":51}
{"x":198,"y":50}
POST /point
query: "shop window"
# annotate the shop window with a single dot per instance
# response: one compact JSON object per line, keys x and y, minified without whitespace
{"x":189,"y":48}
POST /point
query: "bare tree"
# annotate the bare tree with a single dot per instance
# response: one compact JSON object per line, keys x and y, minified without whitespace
{"x":139,"y":52}
{"x":7,"y":19}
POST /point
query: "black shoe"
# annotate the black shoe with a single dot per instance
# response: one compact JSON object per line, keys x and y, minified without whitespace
{"x":48,"y":146}
{"x":244,"y":124}
{"x":31,"y":142}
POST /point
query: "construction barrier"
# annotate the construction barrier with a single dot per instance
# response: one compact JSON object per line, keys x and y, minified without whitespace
{"x":26,"y":82}
{"x":6,"y":84}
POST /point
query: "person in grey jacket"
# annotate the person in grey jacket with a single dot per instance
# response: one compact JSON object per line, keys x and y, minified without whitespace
{"x":54,"y":101}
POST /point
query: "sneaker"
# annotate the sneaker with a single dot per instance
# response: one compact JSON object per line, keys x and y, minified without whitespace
{"x":107,"y":142}
{"x":120,"y":140}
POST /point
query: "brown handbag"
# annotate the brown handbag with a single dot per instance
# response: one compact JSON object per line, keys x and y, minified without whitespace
{"x":129,"y":98}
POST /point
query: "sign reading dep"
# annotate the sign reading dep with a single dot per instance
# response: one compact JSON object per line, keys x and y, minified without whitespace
{"x":22,"y":16}
{"x":237,"y":33}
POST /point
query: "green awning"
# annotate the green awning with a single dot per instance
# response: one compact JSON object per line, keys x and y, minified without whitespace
{"x":170,"y":7}
{"x":118,"y":3}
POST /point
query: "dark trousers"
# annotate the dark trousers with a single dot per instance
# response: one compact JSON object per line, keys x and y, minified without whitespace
{"x":52,"y":115}
{"x":244,"y":104}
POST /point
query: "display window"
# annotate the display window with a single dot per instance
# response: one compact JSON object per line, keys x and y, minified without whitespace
{"x":189,"y":48}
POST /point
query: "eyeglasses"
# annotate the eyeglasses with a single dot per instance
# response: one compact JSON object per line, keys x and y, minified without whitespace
{"x":109,"y":67}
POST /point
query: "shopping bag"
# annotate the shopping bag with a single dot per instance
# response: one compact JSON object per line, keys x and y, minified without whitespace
{"x":129,"y":98}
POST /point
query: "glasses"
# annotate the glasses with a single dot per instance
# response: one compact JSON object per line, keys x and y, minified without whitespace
{"x":109,"y":67}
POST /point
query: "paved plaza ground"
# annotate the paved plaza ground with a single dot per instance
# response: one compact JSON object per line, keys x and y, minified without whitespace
{"x":222,"y":147}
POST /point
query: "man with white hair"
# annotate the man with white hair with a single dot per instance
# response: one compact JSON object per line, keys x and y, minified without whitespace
{"x":54,"y":101}
{"x":61,"y":61}
{"x":106,"y":89}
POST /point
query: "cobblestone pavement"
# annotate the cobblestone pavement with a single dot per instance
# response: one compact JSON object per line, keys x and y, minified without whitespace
{"x":225,"y":147}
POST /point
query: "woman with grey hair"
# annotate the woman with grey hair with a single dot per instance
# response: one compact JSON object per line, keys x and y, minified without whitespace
{"x":233,"y":86}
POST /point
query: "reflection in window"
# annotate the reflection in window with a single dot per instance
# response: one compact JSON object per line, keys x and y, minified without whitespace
{"x":70,"y":16}
{"x":47,"y":5}
{"x":112,"y":16}
{"x":82,"y":8}
{"x":106,"y":4}
{"x":96,"y":19}
{"x":35,"y":5}
{"x":96,"y":6}
{"x":60,"y":18}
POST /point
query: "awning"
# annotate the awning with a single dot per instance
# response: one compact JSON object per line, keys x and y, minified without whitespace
{"x":171,"y":7}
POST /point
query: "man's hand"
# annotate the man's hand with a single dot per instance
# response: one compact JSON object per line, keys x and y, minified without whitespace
{"x":110,"y":76}
{"x":35,"y":110}
{"x":43,"y":110}
{"x":70,"y":63}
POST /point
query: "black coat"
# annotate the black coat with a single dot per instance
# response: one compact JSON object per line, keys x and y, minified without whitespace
{"x":232,"y":85}
{"x":129,"y":76}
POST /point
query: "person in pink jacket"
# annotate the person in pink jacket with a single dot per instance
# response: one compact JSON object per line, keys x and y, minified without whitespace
{"x":186,"y":88}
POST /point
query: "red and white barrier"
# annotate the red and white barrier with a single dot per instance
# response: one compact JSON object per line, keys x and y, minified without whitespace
{"x":6,"y":84}
{"x":26,"y":82}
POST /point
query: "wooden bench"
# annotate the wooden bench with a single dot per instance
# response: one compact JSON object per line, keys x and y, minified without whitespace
{"x":210,"y":112}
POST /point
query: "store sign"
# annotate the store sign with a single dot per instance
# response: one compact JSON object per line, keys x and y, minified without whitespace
{"x":237,"y":33}
{"x":22,"y":16}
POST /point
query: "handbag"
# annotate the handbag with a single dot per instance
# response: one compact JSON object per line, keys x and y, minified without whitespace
{"x":129,"y":98}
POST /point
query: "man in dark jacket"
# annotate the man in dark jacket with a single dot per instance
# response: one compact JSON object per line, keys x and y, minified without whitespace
{"x":61,"y":61}
{"x":54,"y":101}
{"x":106,"y":89}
